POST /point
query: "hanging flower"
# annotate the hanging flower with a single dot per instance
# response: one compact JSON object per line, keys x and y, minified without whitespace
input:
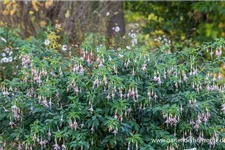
{"x":91,"y":109}
{"x":115,"y":132}
{"x":19,"y":147}
{"x":223,"y":108}
{"x":144,"y":67}
{"x":56,"y":146}
{"x":64,"y":147}
{"x":218,"y":52}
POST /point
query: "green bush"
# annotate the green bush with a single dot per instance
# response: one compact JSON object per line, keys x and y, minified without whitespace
{"x":113,"y":99}
{"x":9,"y":47}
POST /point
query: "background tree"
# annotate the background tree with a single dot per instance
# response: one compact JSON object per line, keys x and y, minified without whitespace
{"x":76,"y":17}
{"x":117,"y":18}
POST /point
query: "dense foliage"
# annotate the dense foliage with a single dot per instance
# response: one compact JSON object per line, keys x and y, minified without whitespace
{"x":124,"y":98}
{"x":181,"y":21}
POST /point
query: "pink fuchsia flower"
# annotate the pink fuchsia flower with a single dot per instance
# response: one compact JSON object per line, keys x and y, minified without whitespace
{"x":200,"y":139}
{"x":185,"y":77}
{"x":159,"y":80}
{"x":92,"y":129}
{"x":19,"y":147}
{"x":5,"y":93}
{"x":101,"y":64}
{"x":108,"y":97}
{"x":192,"y":122}
{"x":16,"y":111}
{"x":71,"y":124}
{"x":63,"y":146}
{"x":211,"y":143}
{"x":89,"y":61}
{"x":218,"y":52}
{"x":115,"y":132}
{"x":56,"y":146}
{"x":81,"y":70}
{"x":223,"y":108}
{"x":171,"y":120}
{"x":149,"y":94}
{"x":49,"y":133}
{"x":43,"y":142}
{"x":196,"y":126}
{"x":195,"y":71}
{"x":75,"y":125}
{"x":25,"y":61}
{"x":155,"y":77}
{"x":220,"y":76}
{"x":143,"y":67}
{"x":11,"y":124}
{"x":91,"y":109}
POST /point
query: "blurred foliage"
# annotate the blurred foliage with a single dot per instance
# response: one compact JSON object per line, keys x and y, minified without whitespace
{"x":181,"y":21}
{"x":9,"y":47}
{"x":76,"y":18}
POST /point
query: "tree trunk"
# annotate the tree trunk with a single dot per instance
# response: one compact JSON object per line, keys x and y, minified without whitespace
{"x":116,"y":8}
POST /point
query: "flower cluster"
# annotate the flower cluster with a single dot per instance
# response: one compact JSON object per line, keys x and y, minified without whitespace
{"x":133,"y":36}
{"x":164,"y":40}
{"x":7,"y":56}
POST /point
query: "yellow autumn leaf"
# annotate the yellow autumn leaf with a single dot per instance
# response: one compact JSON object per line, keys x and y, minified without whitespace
{"x":34,"y":4}
{"x":147,"y":36}
{"x":29,"y":38}
{"x":12,"y":12}
{"x":182,"y":37}
{"x":5,"y":12}
{"x":2,"y":23}
{"x":115,"y":13}
{"x":48,"y":4}
{"x":5,"y":2}
{"x":67,"y":15}
{"x":33,"y":18}
{"x":8,"y":5}
{"x":223,"y":34}
{"x":31,"y":12}
{"x":43,"y":23}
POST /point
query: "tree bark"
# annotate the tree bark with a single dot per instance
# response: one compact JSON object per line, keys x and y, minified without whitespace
{"x":116,"y":8}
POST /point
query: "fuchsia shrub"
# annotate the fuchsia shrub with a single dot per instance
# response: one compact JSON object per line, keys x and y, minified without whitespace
{"x":114,"y":99}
